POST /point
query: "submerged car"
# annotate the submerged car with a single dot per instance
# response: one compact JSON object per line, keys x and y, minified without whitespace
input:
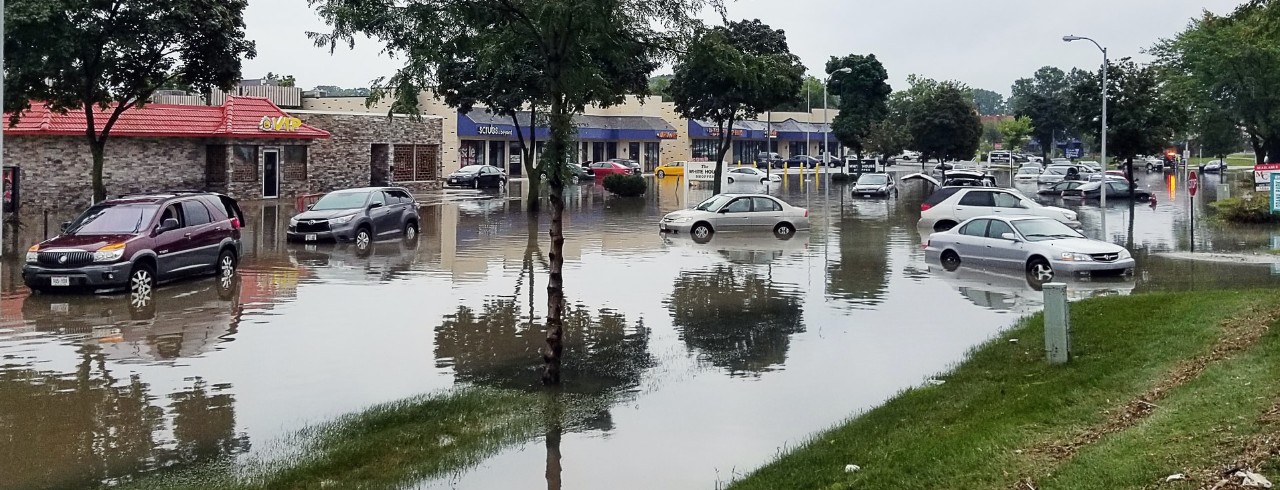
{"x":477,"y":176}
{"x":1041,"y":247}
{"x":1056,"y":189}
{"x":1115,"y":190}
{"x":949,"y":206}
{"x":1028,"y":173}
{"x":357,"y":215}
{"x":749,"y":174}
{"x":957,"y":178}
{"x":669,"y":168}
{"x":874,"y":185}
{"x":737,"y":212}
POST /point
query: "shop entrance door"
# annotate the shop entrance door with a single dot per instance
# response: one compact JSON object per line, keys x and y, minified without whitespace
{"x":516,"y":157}
{"x":270,"y":174}
{"x":497,"y":154}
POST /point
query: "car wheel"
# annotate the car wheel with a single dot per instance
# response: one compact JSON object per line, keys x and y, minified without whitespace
{"x":784,"y":231}
{"x":226,"y":268}
{"x":475,"y":183}
{"x":950,"y":260}
{"x":364,"y":238}
{"x":142,"y":283}
{"x":1039,"y":271}
{"x":944,"y":225}
{"x":661,"y":174}
{"x":701,"y":232}
{"x":410,"y":231}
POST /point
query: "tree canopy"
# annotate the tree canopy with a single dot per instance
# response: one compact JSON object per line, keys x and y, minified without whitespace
{"x":941,"y":119}
{"x":989,"y":103}
{"x":1014,"y":132}
{"x":89,"y":56}
{"x":1043,"y":98}
{"x":1142,"y":117}
{"x":864,"y":98}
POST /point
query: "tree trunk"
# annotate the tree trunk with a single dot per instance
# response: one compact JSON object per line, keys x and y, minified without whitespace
{"x":561,"y":130}
{"x":1128,"y":173}
{"x":725,"y":138}
{"x":857,"y":174}
{"x":98,"y":148}
{"x":1272,"y":145}
{"x":555,"y":427}
{"x":529,"y":153}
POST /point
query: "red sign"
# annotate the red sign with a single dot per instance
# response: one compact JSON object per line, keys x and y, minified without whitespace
{"x":999,"y":146}
{"x":670,"y":135}
{"x":1193,"y":182}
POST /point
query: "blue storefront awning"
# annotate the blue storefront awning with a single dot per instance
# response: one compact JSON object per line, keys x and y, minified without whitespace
{"x":481,"y":123}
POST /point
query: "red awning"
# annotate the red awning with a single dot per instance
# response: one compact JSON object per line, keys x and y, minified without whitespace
{"x":239,"y":117}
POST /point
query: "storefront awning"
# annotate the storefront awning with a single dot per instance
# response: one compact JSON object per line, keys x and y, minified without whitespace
{"x":238,"y":117}
{"x":481,"y":123}
{"x":788,"y":129}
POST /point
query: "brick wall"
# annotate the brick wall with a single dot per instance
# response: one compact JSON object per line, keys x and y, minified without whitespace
{"x":56,"y":170}
{"x":347,"y":159}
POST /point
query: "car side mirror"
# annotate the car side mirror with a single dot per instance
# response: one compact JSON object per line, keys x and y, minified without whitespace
{"x":1009,"y":236}
{"x":309,"y":206}
{"x":374,"y":205}
{"x":65,"y":226}
{"x":168,"y":224}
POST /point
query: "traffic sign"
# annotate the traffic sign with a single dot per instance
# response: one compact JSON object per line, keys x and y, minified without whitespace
{"x":1073,"y":153}
{"x":1275,"y":192}
{"x":1193,"y":183}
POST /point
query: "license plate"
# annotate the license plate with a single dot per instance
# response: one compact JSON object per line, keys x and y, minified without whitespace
{"x":453,"y":181}
{"x":59,"y":281}
{"x":866,"y":195}
{"x":60,"y":308}
{"x":309,"y":247}
{"x":311,"y":237}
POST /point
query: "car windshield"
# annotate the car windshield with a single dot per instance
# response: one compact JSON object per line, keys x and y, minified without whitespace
{"x":1028,"y":170}
{"x":112,"y":220}
{"x":713,"y":203}
{"x":873,"y":179}
{"x":470,"y":169}
{"x":341,"y":200}
{"x":1038,"y":230}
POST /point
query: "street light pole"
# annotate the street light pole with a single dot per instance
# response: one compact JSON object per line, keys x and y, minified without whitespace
{"x":1103,"y":190}
{"x":2,"y":132}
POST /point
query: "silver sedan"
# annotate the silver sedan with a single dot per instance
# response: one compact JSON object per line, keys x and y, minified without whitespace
{"x":1040,"y":246}
{"x":737,"y":212}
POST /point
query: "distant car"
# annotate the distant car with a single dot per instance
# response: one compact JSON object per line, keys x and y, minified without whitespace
{"x":1035,"y":159}
{"x":1039,"y":246}
{"x":951,"y":205}
{"x":876,"y":184}
{"x":831,"y":160}
{"x":1155,"y":164}
{"x":957,"y":178}
{"x":1028,"y":173}
{"x":357,"y":215}
{"x":1059,"y":161}
{"x":737,"y":212}
{"x":477,"y":177}
{"x":1214,"y":166}
{"x":669,"y":168}
{"x":636,"y":168}
{"x":604,"y":169}
{"x":1058,"y":173}
{"x":768,"y":158}
{"x":801,"y":161}
{"x":751,"y":174}
{"x":1056,"y":189}
{"x":1115,"y":190}
{"x":1115,"y":175}
{"x":1089,"y":165}
{"x":574,"y":173}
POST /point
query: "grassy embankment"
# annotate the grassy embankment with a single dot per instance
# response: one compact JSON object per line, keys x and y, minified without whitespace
{"x":388,"y":446}
{"x":1159,"y":384}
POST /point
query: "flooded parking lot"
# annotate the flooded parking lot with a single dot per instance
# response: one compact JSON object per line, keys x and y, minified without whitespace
{"x":711,"y":358}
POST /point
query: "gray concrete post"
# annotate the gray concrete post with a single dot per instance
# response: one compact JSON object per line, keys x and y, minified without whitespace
{"x":1224,"y":189}
{"x":1057,"y":323}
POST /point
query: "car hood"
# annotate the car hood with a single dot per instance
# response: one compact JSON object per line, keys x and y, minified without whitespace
{"x":88,"y":243}
{"x":684,"y":213}
{"x":1082,"y":245}
{"x":325,"y":214}
{"x":869,"y":186}
{"x":458,"y":175}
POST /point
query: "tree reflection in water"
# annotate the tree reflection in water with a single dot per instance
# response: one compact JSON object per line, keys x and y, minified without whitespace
{"x":736,"y":318}
{"x":861,"y":275}
{"x":77,"y":429}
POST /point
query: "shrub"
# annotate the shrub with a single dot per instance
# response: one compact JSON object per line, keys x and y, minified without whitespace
{"x":1251,"y":208}
{"x":625,"y":185}
{"x":842,"y":177}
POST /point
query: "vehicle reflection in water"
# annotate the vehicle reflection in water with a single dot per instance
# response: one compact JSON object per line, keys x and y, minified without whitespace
{"x":382,"y":261}
{"x":1015,"y":294}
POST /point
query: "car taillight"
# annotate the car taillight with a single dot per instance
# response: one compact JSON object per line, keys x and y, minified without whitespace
{"x":806,"y":213}
{"x":925,"y":206}
{"x":235,"y":223}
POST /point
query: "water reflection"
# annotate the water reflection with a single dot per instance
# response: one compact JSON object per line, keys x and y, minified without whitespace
{"x":1013,"y":293}
{"x":860,"y":275}
{"x":736,"y":318}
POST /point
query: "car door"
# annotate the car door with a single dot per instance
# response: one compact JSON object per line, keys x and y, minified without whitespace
{"x":765,"y":213}
{"x":973,"y":204}
{"x":382,"y":215}
{"x":970,"y":241}
{"x":397,"y":205}
{"x":170,"y":245}
{"x":202,"y":237}
{"x":1007,"y":204}
{"x":999,"y":250}
{"x":735,"y":216}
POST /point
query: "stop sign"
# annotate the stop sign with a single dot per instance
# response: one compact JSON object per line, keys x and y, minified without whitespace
{"x":1193,"y":183}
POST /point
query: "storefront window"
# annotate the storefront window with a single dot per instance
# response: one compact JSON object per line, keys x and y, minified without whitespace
{"x":611,"y":150}
{"x":244,"y":163}
{"x":797,"y":148}
{"x":744,"y":152}
{"x":651,"y":155}
{"x":498,"y":154}
{"x":597,"y":151}
{"x":704,"y":150}
{"x":294,"y":163}
{"x":515,"y":159}
{"x":471,"y":152}
{"x":633,"y":152}
{"x":582,"y":153}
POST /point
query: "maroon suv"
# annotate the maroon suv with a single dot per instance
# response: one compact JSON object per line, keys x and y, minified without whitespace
{"x":137,"y":241}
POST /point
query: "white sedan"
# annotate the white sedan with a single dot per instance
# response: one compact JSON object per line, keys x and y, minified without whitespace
{"x":750,"y":174}
{"x":737,"y":212}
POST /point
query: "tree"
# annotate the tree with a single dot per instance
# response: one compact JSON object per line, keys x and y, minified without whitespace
{"x":1014,"y":132}
{"x":104,"y":58}
{"x":732,"y":73}
{"x":942,"y":120}
{"x":587,"y":52}
{"x":989,"y":103}
{"x":283,"y":81}
{"x":658,"y":85}
{"x":808,"y":98}
{"x":1043,"y":98}
{"x":335,"y":91}
{"x":864,"y":98}
{"x":1141,"y":116}
{"x":1218,"y":133}
{"x":991,"y":133}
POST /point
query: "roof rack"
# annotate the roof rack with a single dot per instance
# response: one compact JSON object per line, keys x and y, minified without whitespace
{"x":161,"y":193}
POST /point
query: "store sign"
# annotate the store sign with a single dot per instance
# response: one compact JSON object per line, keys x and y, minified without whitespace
{"x":1262,"y":174}
{"x":668,"y":135}
{"x":715,"y":132}
{"x":12,"y":189}
{"x":493,"y":131}
{"x":700,"y":171}
{"x":281,"y":123}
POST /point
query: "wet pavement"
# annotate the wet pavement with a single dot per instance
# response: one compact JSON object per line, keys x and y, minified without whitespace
{"x":714,"y":357}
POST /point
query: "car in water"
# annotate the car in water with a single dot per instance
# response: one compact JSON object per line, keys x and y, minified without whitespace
{"x":477,"y":177}
{"x":1028,"y":173}
{"x":635,"y":166}
{"x":770,"y":159}
{"x":801,"y":161}
{"x":737,"y":212}
{"x":949,"y":206}
{"x":669,"y":168}
{"x":573,"y":174}
{"x":877,"y":184}
{"x":1214,"y":166}
{"x":1056,"y":189}
{"x":1114,"y":175}
{"x":1041,"y":247}
{"x":357,"y":215}
{"x":750,"y":174}
{"x":138,"y":241}
{"x":604,"y":169}
{"x":957,"y":178}
{"x":1116,"y":189}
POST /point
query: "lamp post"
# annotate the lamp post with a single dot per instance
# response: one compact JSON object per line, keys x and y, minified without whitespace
{"x":826,"y":123}
{"x":1103,"y":193}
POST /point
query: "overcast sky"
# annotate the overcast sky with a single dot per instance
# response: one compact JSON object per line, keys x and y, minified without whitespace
{"x":983,"y":43}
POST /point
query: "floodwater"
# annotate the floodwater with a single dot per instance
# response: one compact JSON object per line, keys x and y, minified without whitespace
{"x":715,"y":357}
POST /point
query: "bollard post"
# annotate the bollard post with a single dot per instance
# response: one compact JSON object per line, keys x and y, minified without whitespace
{"x":1224,"y":190}
{"x":1057,"y":323}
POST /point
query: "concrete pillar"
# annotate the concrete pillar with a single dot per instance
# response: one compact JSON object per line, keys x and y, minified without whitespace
{"x":1057,"y":323}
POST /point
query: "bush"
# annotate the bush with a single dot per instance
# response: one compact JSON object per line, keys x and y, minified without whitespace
{"x":1253,"y":208}
{"x":625,"y":185}
{"x":842,"y":177}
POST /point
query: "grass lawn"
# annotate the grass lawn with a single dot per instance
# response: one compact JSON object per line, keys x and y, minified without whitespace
{"x":1159,"y":384}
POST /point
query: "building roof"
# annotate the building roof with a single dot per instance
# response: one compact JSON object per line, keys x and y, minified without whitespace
{"x":651,"y":123}
{"x":238,"y":117}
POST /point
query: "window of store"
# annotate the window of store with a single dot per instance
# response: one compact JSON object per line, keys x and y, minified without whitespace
{"x":470,"y":152}
{"x":744,"y":152}
{"x":516,"y":156}
{"x":215,"y":164}
{"x":498,"y":154}
{"x":244,"y":163}
{"x":651,"y":155}
{"x":583,"y":157}
{"x":294,"y":164}
{"x":633,"y":152}
{"x":704,"y":149}
{"x":415,"y":163}
{"x":597,"y":151}
{"x":611,"y":150}
{"x":796,"y":148}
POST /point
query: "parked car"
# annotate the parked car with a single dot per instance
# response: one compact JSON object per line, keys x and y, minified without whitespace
{"x":1214,"y":166}
{"x":957,"y":178}
{"x":1155,"y":163}
{"x":831,"y":160}
{"x":1059,"y":161}
{"x":769,"y":158}
{"x":1041,"y":247}
{"x":670,"y":168}
{"x":357,"y":215}
{"x":801,"y":161}
{"x":138,"y":241}
{"x":477,"y":176}
{"x":1089,"y":165}
{"x":751,"y":174}
{"x":1058,"y":173}
{"x":1028,"y":173}
{"x":1056,"y":189}
{"x":1115,"y":190}
{"x":951,"y":205}
{"x":876,"y":184}
{"x":1115,"y":175}
{"x":636,"y":168}
{"x":908,"y":156}
{"x":737,"y":212}
{"x":604,"y":169}
{"x":573,"y":174}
